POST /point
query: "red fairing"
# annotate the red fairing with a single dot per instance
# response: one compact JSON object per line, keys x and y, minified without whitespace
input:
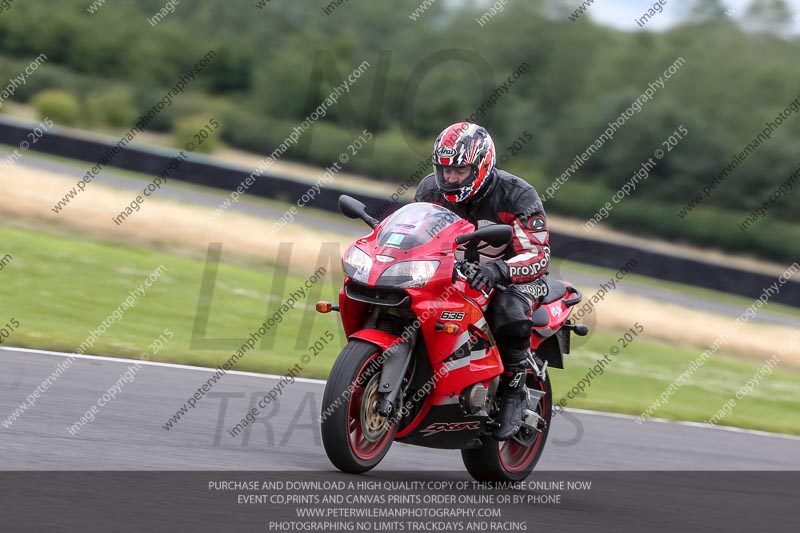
{"x":440,"y":295}
{"x":380,"y":339}
{"x":531,"y":242}
{"x":353,"y":312}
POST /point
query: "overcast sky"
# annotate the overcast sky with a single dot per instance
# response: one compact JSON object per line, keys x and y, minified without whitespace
{"x":623,"y":13}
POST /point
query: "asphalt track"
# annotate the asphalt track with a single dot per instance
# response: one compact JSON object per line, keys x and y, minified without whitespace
{"x":125,"y":472}
{"x":128,"y":433}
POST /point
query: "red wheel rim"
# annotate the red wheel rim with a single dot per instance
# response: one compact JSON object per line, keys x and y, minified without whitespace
{"x":515,"y":457}
{"x":364,"y":444}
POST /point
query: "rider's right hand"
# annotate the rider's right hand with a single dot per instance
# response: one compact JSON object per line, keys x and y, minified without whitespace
{"x":486,"y":276}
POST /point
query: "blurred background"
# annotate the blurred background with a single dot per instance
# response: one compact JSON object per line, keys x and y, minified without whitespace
{"x":698,"y":79}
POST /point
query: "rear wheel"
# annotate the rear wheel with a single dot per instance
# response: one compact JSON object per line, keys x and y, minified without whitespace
{"x":356,"y":437}
{"x":514,"y":459}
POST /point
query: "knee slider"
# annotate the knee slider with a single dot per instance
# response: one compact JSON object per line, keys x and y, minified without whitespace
{"x":509,"y":308}
{"x":521,"y":329}
{"x":513,"y":348}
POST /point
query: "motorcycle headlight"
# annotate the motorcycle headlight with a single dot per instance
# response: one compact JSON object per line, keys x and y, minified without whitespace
{"x":408,"y":274}
{"x":357,"y":265}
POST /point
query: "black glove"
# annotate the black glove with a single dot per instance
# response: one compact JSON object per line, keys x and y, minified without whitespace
{"x":488,"y":275}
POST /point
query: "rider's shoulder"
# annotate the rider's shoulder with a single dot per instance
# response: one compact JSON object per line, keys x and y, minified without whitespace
{"x":516,"y":188}
{"x":428,"y":181}
{"x":427,"y":189}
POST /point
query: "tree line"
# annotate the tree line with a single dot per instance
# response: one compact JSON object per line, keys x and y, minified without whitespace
{"x":275,"y":64}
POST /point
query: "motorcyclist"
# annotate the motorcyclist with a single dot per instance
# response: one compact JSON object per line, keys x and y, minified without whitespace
{"x":466,"y":181}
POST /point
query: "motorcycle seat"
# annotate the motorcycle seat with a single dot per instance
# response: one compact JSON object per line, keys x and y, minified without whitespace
{"x":540,"y":317}
{"x":556,"y":290}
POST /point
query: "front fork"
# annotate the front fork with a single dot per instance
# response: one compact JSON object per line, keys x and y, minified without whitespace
{"x":395,"y":363}
{"x":394,"y":360}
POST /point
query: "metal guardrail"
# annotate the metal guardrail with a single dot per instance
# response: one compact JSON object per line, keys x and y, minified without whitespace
{"x":204,"y":171}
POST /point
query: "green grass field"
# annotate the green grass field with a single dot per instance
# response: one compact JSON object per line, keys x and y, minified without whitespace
{"x":59,"y":288}
{"x":641,"y":372}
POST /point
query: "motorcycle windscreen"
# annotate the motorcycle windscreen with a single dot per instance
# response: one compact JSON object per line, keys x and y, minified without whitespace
{"x":414,"y":225}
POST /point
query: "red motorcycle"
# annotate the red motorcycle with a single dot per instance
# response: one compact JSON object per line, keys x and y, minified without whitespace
{"x":421,"y":365}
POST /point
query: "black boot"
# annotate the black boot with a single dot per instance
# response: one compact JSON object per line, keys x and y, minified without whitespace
{"x":513,"y":398}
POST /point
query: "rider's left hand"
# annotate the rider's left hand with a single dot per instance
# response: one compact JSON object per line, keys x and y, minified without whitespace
{"x":487,"y":276}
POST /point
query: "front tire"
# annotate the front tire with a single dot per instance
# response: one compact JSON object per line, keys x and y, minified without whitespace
{"x":510,"y":460}
{"x":355,"y":436}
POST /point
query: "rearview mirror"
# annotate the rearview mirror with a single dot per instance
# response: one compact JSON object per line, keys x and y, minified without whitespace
{"x":352,"y":208}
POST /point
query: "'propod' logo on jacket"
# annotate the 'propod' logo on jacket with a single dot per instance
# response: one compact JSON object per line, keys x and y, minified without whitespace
{"x":533,"y":269}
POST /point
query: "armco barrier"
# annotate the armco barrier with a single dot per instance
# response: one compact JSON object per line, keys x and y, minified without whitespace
{"x":204,"y":171}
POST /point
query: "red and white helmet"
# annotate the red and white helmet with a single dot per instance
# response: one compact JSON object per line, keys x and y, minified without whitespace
{"x":464,"y":144}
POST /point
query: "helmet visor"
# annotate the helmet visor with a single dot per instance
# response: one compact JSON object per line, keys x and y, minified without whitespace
{"x":453,"y":186}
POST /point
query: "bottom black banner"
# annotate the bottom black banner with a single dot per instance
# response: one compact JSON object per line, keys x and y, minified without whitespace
{"x":397,"y":501}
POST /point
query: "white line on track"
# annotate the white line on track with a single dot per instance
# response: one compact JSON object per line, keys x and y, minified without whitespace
{"x":157,"y":363}
{"x":322,"y":382}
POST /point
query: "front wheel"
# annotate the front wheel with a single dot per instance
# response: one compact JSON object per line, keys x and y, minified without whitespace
{"x":514,"y":459}
{"x":356,"y":437}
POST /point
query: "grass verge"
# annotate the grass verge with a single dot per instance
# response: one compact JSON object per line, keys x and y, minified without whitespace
{"x":635,"y":378}
{"x":61,"y":288}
